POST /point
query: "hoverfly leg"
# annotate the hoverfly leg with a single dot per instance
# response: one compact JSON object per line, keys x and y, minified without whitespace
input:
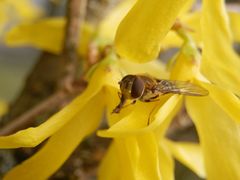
{"x":148,"y":122}
{"x":149,"y":117}
{"x":122,"y":105}
{"x":118,"y":108}
{"x":151,"y":99}
{"x":134,"y":101}
{"x":150,"y":114}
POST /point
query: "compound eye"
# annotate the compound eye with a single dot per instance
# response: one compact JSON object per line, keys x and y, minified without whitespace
{"x":137,"y":87}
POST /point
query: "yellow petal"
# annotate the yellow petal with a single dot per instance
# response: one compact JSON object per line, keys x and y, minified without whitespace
{"x":235,"y":25}
{"x":186,"y":64}
{"x":85,"y":36}
{"x":192,"y":20}
{"x":189,"y":154}
{"x":164,"y":116}
{"x":217,"y":7}
{"x":46,"y":34}
{"x":112,"y":99}
{"x":153,"y":68}
{"x":59,"y":147}
{"x":171,"y":40}
{"x":109,"y":167}
{"x":148,"y":165}
{"x":33,"y":136}
{"x":189,"y":19}
{"x":219,"y":137}
{"x":166,"y":161}
{"x":159,"y":113}
{"x":187,"y":7}
{"x":140,"y":33}
{"x":127,"y":154}
{"x":224,"y":99}
{"x":106,"y":72}
{"x":132,"y":119}
{"x":108,"y":26}
{"x":138,"y":157}
{"x":26,"y":8}
{"x":220,"y":63}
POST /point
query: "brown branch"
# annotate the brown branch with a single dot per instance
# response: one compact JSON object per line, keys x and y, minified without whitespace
{"x":52,"y":102}
{"x":67,"y":67}
{"x":76,"y":10}
{"x":75,"y":16}
{"x":26,"y":119}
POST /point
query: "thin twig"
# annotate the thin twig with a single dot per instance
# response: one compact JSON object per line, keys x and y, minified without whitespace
{"x":76,"y":10}
{"x":30,"y":115}
{"x":52,"y":102}
{"x":75,"y":16}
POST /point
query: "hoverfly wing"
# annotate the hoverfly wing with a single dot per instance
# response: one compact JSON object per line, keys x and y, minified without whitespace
{"x":180,"y":87}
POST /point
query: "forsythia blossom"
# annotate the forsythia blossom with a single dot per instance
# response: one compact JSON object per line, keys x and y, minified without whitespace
{"x":15,"y":11}
{"x":139,"y":150}
{"x":221,"y":65}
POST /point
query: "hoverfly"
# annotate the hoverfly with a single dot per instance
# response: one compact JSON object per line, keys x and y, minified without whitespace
{"x":148,"y":89}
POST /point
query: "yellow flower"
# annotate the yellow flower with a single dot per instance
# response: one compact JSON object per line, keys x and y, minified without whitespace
{"x":68,"y":127}
{"x":220,"y":63}
{"x":141,"y":151}
{"x":15,"y":11}
{"x":46,"y":34}
{"x":139,"y":34}
{"x":108,"y":26}
{"x":217,"y":115}
{"x":192,"y":20}
{"x":138,"y":150}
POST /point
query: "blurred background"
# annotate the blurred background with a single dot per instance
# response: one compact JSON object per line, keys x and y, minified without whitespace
{"x":16,"y":63}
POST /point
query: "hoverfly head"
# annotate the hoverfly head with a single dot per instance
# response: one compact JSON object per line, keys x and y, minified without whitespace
{"x":137,"y":88}
{"x":132,"y":87}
